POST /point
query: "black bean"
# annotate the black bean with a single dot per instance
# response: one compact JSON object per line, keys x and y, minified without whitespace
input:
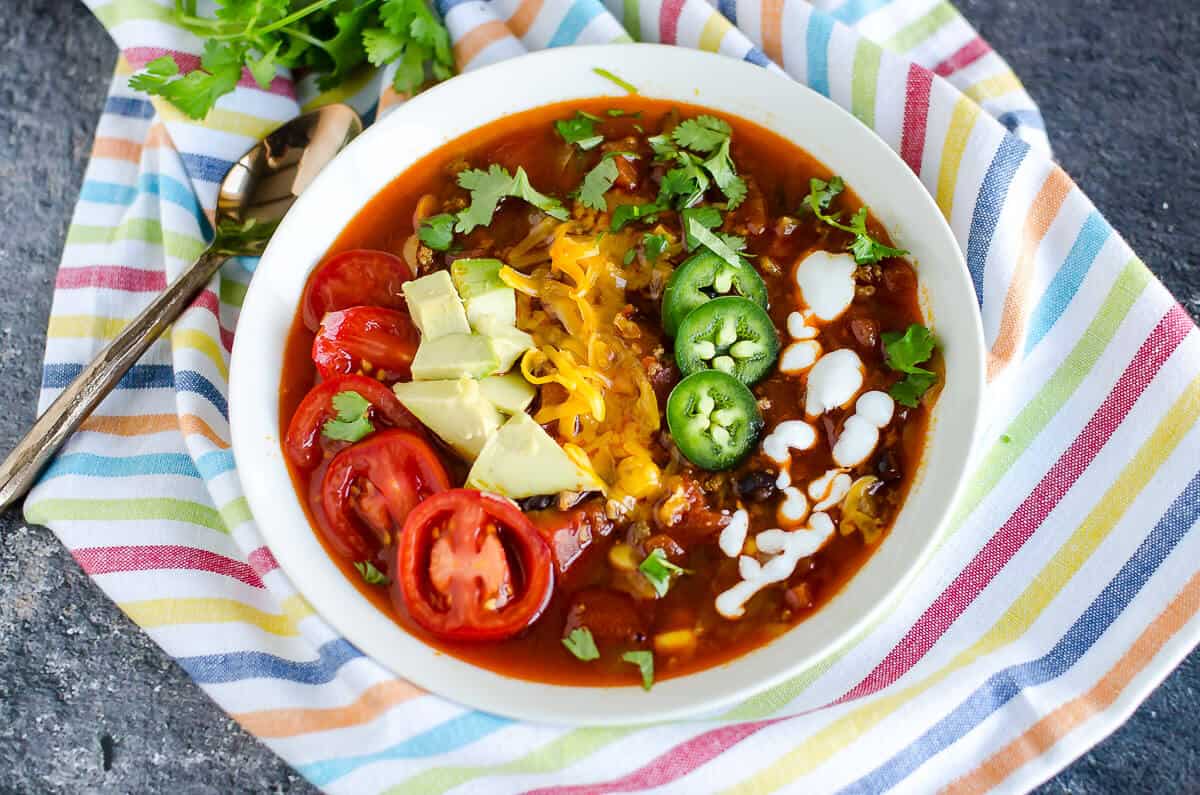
{"x":888,"y":466}
{"x":755,"y":486}
{"x":538,"y":503}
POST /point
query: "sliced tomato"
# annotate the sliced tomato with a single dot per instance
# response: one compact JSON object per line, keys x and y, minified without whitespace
{"x":570,"y":533}
{"x":371,"y":487}
{"x":362,"y":277}
{"x":362,"y":337}
{"x":471,"y":566}
{"x":305,"y":443}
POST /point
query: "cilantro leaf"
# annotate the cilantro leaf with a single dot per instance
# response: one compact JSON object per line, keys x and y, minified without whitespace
{"x":821,"y":193}
{"x":904,"y":352}
{"x":702,"y":134}
{"x":653,"y":246}
{"x":196,"y":92}
{"x":607,"y":75}
{"x":865,"y":249}
{"x":581,"y":643}
{"x":686,"y":184}
{"x":713,"y":243}
{"x":644,"y":660}
{"x":489,"y":187}
{"x":352,"y":422}
{"x":370,"y":574}
{"x":724,"y":174}
{"x":262,"y":68}
{"x":664,"y":148}
{"x":658,"y":570}
{"x":708,"y":217}
{"x":596,"y":183}
{"x":908,"y":390}
{"x":630,"y":255}
{"x":628,"y":213}
{"x":580,"y":130}
{"x":437,"y":231}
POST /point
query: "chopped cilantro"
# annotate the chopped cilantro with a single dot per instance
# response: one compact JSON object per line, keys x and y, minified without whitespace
{"x":658,"y":570}
{"x":489,"y":187}
{"x":629,"y":255}
{"x":701,"y":134}
{"x":644,"y":660}
{"x":685,"y":184}
{"x":581,"y":643}
{"x":654,"y":245}
{"x":437,"y":231}
{"x":724,"y":247}
{"x":708,"y":217}
{"x":1006,"y":438}
{"x":904,"y":352}
{"x":352,"y":422}
{"x":616,"y":113}
{"x":865,"y":249}
{"x":580,"y":130}
{"x":607,"y":75}
{"x":724,"y":174}
{"x":597,"y":182}
{"x":370,"y":574}
{"x":628,"y":213}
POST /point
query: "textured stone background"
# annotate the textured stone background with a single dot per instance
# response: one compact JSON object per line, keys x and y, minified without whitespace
{"x":1118,"y":82}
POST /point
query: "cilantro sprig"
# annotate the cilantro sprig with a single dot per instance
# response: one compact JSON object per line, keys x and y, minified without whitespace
{"x":332,"y":38}
{"x":904,"y":353}
{"x":437,"y":231}
{"x":351,"y":422}
{"x":599,"y":180}
{"x":581,"y":643}
{"x":644,"y":660}
{"x":372,"y":575}
{"x":580,"y":130}
{"x":699,"y":148}
{"x":658,"y":571}
{"x":489,"y":187}
{"x":865,"y":248}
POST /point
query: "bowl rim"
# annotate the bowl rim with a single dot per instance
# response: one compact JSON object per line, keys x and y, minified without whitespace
{"x":727,"y":86}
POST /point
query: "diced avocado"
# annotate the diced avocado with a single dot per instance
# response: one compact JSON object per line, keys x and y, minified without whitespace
{"x":435,"y":307}
{"x":455,"y":355}
{"x":522,"y":460}
{"x":483,"y":293}
{"x":510,"y":392}
{"x":455,"y":410}
{"x":509,"y":342}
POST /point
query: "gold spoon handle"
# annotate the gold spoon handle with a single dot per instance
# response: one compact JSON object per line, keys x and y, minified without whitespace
{"x":64,"y":416}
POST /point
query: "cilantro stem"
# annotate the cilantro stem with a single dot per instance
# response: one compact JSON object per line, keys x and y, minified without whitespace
{"x":607,"y":75}
{"x":279,"y":24}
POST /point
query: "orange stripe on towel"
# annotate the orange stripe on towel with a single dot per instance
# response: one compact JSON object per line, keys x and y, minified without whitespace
{"x":1048,"y":731}
{"x":146,"y":424}
{"x":772,"y":29}
{"x":523,"y":18}
{"x":374,"y":701}
{"x":1045,"y":209}
{"x":470,"y":45}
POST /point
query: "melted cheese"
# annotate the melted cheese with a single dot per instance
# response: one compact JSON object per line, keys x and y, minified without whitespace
{"x":860,"y":433}
{"x":833,"y":381}
{"x":826,"y":282}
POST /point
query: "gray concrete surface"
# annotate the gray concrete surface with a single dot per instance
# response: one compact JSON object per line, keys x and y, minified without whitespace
{"x":89,"y":704}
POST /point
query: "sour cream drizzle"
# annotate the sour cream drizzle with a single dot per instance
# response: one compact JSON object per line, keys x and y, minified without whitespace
{"x":733,"y":535}
{"x":789,"y":548}
{"x":860,"y":432}
{"x":833,"y":381}
{"x":826,"y":280}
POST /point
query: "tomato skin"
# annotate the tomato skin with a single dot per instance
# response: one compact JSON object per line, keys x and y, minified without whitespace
{"x":464,"y":517}
{"x":386,"y":338}
{"x":304,"y":443}
{"x":361,"y":277}
{"x":386,"y":476}
{"x":570,"y":533}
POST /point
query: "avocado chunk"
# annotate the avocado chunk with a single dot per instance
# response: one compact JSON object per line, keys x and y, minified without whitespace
{"x":483,"y":293}
{"x":509,"y":342}
{"x":510,"y":392}
{"x":455,"y":410}
{"x":435,"y":307}
{"x":522,"y":460}
{"x":455,"y":355}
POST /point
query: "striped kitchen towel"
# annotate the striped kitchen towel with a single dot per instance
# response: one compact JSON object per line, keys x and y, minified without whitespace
{"x":1066,"y":586}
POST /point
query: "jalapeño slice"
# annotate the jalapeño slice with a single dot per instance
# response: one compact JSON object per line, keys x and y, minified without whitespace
{"x":714,"y":419}
{"x":703,"y":277}
{"x":730,"y":334}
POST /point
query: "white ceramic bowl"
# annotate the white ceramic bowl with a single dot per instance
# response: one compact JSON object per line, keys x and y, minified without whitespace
{"x":471,"y":100}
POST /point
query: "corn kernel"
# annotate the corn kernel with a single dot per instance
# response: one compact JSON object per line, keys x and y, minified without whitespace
{"x":639,"y":477}
{"x":622,"y":557}
{"x":674,"y":642}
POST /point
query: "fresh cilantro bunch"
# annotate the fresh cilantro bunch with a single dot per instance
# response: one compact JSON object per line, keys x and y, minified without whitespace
{"x":330,"y":37}
{"x":905,"y":353}
{"x":865,"y":249}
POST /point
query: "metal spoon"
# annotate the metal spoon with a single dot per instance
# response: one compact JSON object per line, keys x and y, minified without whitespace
{"x":257,"y":191}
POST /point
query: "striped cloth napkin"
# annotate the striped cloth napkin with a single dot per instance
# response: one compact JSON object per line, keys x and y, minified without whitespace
{"x":1067,"y":584}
